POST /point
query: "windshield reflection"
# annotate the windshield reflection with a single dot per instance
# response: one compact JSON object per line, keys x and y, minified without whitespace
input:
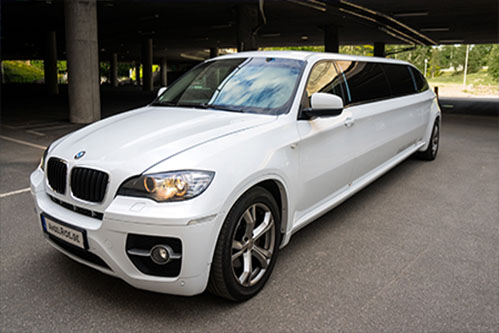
{"x":254,"y":85}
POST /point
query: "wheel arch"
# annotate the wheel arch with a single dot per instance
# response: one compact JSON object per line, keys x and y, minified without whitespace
{"x":276,"y":186}
{"x":435,"y":115}
{"x":218,"y":283}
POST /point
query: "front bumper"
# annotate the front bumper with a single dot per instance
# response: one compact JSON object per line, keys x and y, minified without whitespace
{"x":197,"y":231}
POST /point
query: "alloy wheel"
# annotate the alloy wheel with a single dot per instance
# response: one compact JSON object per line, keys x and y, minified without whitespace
{"x":434,"y":141}
{"x":252,"y":244}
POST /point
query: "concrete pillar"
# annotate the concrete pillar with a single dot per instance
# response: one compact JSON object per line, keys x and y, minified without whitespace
{"x":379,"y":49}
{"x":114,"y":69}
{"x":213,"y":52}
{"x":83,"y":60}
{"x":147,"y":83}
{"x":50,"y":64}
{"x":331,"y":42}
{"x":247,"y":21}
{"x":164,"y":74}
{"x":137,"y":73}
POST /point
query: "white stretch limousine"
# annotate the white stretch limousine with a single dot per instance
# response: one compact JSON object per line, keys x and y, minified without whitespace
{"x":202,"y":187}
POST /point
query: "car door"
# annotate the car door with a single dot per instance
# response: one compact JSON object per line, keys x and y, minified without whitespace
{"x":421,"y":102}
{"x":410,"y":110}
{"x":324,"y":149}
{"x":373,"y":130}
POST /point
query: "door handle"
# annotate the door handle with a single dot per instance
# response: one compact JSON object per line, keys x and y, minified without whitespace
{"x":349,"y":122}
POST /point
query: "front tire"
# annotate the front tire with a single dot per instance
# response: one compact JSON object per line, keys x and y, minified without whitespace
{"x":247,"y":247}
{"x":431,"y":152}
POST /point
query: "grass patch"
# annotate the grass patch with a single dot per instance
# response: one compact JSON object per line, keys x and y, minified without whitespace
{"x":481,"y":78}
{"x":21,"y":72}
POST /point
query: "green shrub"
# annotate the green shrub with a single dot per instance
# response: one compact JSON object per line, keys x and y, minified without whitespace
{"x":493,"y":62}
{"x":21,"y":72}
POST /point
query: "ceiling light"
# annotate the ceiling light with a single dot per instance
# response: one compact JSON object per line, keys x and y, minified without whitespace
{"x":410,"y":14}
{"x":434,"y":29}
{"x":148,"y":18}
{"x":191,"y":57}
{"x":451,"y":41}
{"x":146,"y":33}
{"x":270,"y":35}
{"x":221,"y":26}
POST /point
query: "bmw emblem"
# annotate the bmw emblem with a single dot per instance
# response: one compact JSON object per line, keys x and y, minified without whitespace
{"x":79,"y":155}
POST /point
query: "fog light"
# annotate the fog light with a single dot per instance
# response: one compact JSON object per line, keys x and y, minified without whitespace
{"x":160,"y":254}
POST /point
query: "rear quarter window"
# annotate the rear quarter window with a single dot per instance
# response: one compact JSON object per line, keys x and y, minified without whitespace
{"x":400,"y":79}
{"x":419,"y":79}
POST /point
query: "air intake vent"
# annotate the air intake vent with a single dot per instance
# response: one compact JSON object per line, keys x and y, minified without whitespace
{"x":56,"y":175}
{"x":88,"y":184}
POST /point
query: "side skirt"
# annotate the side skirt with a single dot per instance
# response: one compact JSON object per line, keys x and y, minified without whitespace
{"x":356,"y":186}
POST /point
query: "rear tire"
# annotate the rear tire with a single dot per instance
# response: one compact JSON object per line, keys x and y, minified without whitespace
{"x":431,"y":152}
{"x":247,"y":247}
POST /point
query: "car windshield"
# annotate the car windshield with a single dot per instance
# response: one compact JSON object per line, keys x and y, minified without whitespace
{"x":253,"y":85}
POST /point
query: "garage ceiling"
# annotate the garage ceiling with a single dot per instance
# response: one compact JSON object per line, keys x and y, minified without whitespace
{"x":184,"y":30}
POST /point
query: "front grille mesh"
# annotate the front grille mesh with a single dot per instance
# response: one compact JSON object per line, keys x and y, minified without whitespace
{"x":88,"y":184}
{"x":56,"y":175}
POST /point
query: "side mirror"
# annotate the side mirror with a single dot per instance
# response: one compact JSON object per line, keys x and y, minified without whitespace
{"x":323,"y":105}
{"x":161,"y":91}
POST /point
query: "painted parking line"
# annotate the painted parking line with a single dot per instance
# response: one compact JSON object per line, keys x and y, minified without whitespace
{"x":35,"y":133}
{"x":26,"y":143}
{"x":8,"y":194}
{"x":54,"y":127}
{"x":31,"y":126}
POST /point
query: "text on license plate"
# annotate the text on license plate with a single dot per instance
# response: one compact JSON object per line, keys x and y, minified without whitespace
{"x":65,"y":233}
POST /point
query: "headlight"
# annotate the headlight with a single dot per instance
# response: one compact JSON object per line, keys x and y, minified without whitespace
{"x":168,"y":186}
{"x":42,"y":161}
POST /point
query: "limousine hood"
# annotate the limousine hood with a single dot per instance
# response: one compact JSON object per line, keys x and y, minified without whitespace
{"x":134,"y":141}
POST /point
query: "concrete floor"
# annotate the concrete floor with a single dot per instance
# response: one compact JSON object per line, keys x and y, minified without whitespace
{"x":418,"y":250}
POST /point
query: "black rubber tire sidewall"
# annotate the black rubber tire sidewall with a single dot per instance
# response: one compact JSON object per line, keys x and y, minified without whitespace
{"x":428,"y":153}
{"x":226,"y":284}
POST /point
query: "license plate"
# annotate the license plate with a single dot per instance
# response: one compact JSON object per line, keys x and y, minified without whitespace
{"x":64,"y":232}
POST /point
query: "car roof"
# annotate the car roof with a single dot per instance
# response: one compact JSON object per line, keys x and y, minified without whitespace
{"x":312,"y":56}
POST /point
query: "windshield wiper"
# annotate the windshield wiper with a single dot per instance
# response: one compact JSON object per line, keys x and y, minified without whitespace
{"x":219,"y":107}
{"x":203,"y":106}
{"x":158,"y":103}
{"x":194,"y":106}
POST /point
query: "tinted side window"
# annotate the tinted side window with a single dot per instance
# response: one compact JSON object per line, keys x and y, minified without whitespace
{"x":400,"y":79}
{"x":366,"y":81}
{"x":419,"y":79}
{"x":325,"y":78}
